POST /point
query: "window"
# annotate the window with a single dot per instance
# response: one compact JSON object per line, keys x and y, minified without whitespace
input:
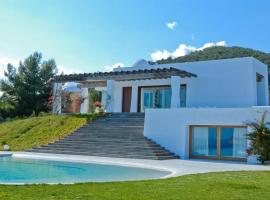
{"x":260,"y":90}
{"x":233,"y":142}
{"x":219,"y":142}
{"x":204,"y":141}
{"x":159,"y":97}
{"x":183,"y":95}
{"x":155,"y":97}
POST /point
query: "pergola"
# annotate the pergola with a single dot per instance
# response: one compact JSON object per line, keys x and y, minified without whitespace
{"x":105,"y":79}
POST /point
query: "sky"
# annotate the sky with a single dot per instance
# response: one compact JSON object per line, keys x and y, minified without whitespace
{"x":96,"y":35}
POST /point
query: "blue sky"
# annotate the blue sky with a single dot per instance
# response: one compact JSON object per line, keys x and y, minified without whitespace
{"x":85,"y":35}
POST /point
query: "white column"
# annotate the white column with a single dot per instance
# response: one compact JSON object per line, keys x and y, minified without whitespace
{"x":103,"y":98}
{"x":134,"y":98}
{"x":57,"y":90}
{"x":85,"y":100}
{"x":110,"y":99}
{"x":175,"y":85}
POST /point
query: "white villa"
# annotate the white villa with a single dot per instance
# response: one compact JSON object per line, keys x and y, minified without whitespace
{"x":194,"y":109}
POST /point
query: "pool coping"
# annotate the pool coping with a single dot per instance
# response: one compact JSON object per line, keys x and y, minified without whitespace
{"x":176,"y":167}
{"x":88,"y":160}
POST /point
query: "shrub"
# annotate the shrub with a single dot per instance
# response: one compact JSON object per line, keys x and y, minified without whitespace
{"x":260,"y":138}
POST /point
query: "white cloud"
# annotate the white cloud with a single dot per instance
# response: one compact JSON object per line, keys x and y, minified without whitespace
{"x":109,"y":68}
{"x":221,"y":43}
{"x":182,"y":50}
{"x":171,"y":25}
{"x":159,"y":55}
{"x":66,"y":70}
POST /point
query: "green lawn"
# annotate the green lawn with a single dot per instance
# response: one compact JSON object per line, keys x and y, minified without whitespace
{"x":23,"y":134}
{"x":227,"y":185}
{"x":27,"y":133}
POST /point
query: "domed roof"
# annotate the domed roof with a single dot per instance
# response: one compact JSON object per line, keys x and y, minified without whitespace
{"x":140,"y":63}
{"x":71,"y":87}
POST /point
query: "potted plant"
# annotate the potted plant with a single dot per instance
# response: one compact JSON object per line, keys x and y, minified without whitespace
{"x":5,"y":146}
{"x":260,"y":139}
{"x":249,"y":151}
{"x":98,"y":107}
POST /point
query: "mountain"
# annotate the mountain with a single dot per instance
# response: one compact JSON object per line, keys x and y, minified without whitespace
{"x":213,"y":53}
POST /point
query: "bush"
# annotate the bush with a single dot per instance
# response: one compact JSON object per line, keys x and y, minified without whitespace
{"x":260,"y":138}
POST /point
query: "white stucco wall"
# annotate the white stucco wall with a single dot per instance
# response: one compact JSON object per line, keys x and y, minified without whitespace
{"x":170,"y":127}
{"x":85,"y":100}
{"x":118,"y":90}
{"x":220,"y":83}
{"x":262,"y":69}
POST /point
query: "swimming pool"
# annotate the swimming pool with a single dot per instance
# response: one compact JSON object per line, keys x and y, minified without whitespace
{"x":15,"y":170}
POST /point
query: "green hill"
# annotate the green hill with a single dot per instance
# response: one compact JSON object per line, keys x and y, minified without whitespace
{"x":213,"y":53}
{"x":22,"y":134}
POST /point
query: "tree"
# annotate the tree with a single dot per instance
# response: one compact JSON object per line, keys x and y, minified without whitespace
{"x":260,"y":138}
{"x":28,"y":88}
{"x":6,"y":110}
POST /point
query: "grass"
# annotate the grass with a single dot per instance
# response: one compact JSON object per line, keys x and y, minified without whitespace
{"x":216,"y":186}
{"x":26,"y":133}
{"x":22,"y":134}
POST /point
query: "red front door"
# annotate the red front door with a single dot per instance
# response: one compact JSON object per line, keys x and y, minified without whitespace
{"x":126,"y":101}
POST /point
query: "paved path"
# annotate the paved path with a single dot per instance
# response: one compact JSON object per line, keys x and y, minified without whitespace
{"x":177,"y":167}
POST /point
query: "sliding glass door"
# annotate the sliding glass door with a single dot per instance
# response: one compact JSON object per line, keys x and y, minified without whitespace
{"x":160,"y":97}
{"x":204,"y":141}
{"x":233,"y":142}
{"x":218,"y":142}
{"x":155,"y":97}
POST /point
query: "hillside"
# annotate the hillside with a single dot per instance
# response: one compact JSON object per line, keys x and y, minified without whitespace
{"x":213,"y":53}
{"x":22,"y":134}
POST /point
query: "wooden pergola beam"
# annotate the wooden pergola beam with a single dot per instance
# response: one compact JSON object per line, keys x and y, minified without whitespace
{"x":125,"y":75}
{"x":92,"y":84}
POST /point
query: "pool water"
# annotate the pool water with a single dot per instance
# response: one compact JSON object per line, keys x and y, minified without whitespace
{"x":21,"y":170}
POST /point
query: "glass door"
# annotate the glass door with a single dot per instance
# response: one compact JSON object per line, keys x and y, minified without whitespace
{"x":218,"y":142}
{"x":204,"y":142}
{"x":155,"y":97}
{"x":147,"y":99}
{"x":233,"y":142}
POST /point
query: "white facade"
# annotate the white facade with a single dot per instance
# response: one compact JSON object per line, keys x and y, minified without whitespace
{"x":224,"y":93}
{"x":227,"y":92}
{"x":219,"y":83}
{"x":173,"y":127}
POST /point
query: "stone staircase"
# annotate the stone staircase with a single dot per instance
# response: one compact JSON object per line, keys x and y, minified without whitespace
{"x":116,"y":135}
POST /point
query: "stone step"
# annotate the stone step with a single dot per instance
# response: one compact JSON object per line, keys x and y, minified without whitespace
{"x":127,"y":118}
{"x":137,"y":156}
{"x":124,"y":119}
{"x":104,"y":135}
{"x":103,"y":141}
{"x":113,"y":128}
{"x":108,"y":127}
{"x":84,"y":136}
{"x":109,"y":151}
{"x":102,"y":144}
{"x":112,"y":132}
{"x":115,"y":135}
{"x":109,"y":146}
